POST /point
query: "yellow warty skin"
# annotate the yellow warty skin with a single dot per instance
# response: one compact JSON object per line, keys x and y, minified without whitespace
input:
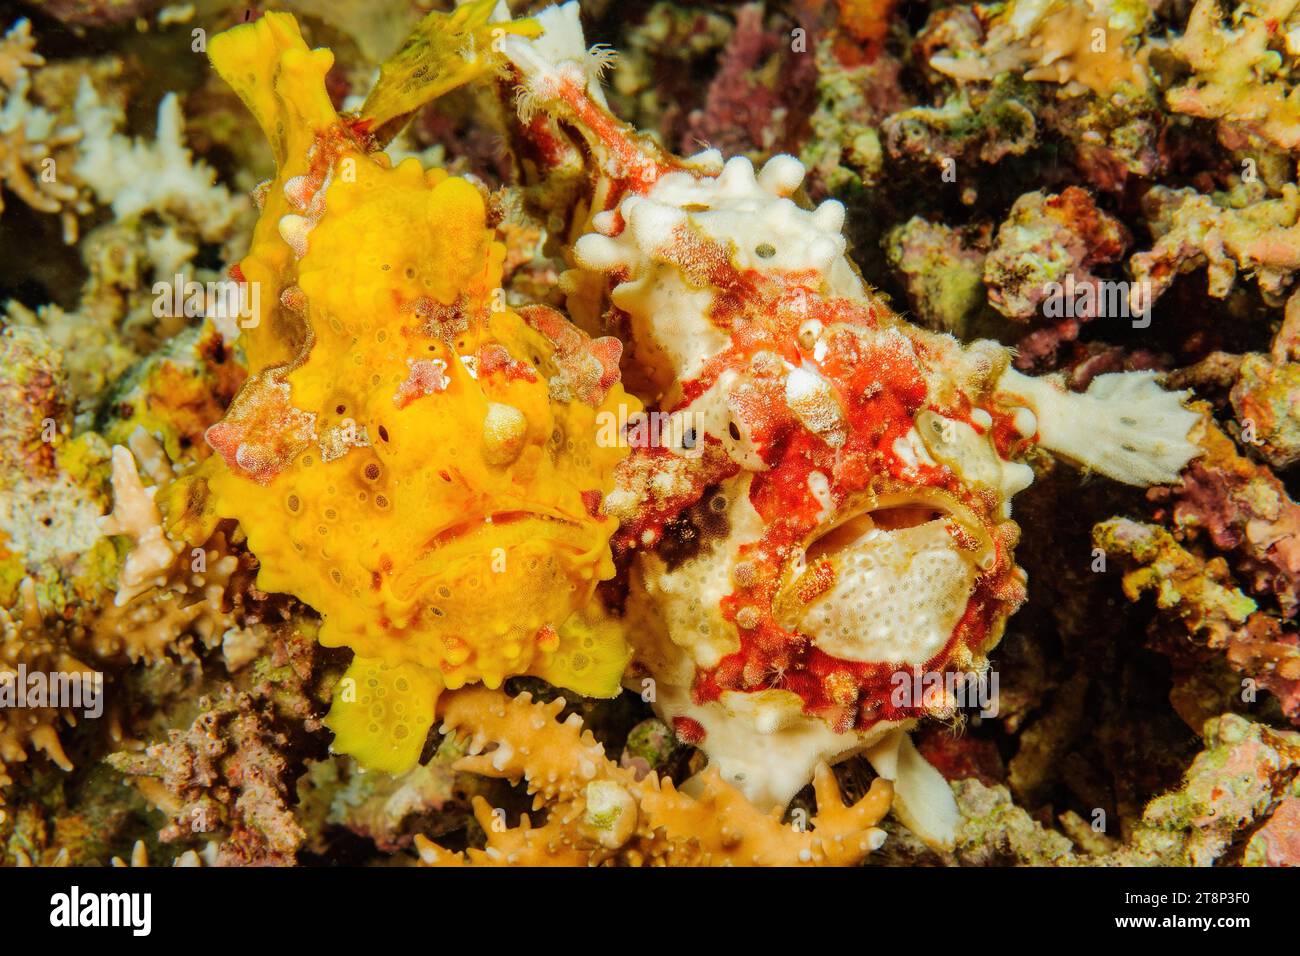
{"x":402,"y":458}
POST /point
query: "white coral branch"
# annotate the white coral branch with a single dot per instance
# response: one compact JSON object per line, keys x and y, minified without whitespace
{"x":137,"y":177}
{"x":136,"y":516}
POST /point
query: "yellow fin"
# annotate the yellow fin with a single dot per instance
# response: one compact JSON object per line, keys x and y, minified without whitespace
{"x":382,"y":712}
{"x":591,"y":656}
{"x":444,"y":51}
{"x":281,"y":81}
{"x":185,"y":504}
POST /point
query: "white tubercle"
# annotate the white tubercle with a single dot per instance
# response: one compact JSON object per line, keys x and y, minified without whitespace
{"x":1025,"y":422}
{"x":781,"y":175}
{"x":294,"y":230}
{"x":748,"y":214}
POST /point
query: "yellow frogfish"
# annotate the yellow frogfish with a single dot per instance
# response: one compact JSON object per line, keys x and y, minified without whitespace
{"x":410,"y":457}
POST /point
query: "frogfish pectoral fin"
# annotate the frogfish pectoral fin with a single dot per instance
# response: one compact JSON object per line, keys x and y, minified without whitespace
{"x":381,"y":713}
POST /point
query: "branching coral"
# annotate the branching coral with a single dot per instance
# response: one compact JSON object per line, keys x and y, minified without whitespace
{"x":135,"y":177}
{"x":33,"y":142}
{"x":57,"y":565}
{"x":227,"y":772}
{"x":18,"y":53}
{"x":166,"y":592}
{"x":136,"y":516}
{"x":168,"y":212}
{"x":26,"y":646}
{"x":58,"y":168}
{"x":230,"y":775}
{"x":599,"y":813}
{"x":139,"y":858}
{"x":1084,"y":46}
{"x":63,"y":618}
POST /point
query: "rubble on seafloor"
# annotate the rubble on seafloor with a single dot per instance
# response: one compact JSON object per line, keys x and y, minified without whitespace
{"x":1096,"y":188}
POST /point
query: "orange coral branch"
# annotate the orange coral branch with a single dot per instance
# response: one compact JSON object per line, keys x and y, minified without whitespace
{"x":600,"y":813}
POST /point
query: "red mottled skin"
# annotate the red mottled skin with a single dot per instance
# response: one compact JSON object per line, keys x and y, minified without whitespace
{"x":880,"y":378}
{"x":882,"y":386}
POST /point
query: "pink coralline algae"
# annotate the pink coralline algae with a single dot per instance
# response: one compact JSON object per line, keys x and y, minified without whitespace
{"x":1245,"y":511}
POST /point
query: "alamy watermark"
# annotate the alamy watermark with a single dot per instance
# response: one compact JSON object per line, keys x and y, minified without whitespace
{"x":67,"y":690}
{"x":680,"y":432}
{"x":946,"y":691}
{"x":224,"y":299}
{"x":1098,"y":299}
{"x":74,"y":908}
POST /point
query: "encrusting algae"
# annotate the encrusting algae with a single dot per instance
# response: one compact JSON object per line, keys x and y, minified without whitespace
{"x":410,"y":457}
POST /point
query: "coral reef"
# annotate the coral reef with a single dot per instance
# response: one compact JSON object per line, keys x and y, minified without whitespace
{"x":1225,"y":235}
{"x":1084,"y":47}
{"x":1048,"y":246}
{"x":228,"y":770}
{"x":967,"y":128}
{"x":230,"y":777}
{"x":1213,"y":612}
{"x":752,"y":104}
{"x":1239,"y":78}
{"x":717,"y":445}
{"x":1246,"y":512}
{"x":1247,"y":773}
{"x":943,"y":272}
{"x":26,"y":646}
{"x":33,"y":139}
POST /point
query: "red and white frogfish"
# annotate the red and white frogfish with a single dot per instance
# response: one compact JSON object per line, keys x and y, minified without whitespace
{"x":820,"y":512}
